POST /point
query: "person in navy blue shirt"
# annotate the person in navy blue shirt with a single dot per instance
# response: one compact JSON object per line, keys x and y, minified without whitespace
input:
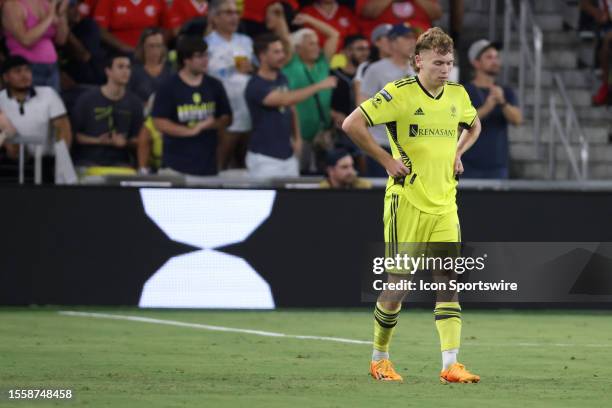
{"x":190,"y":109}
{"x":497,"y":107}
{"x":275,"y":139}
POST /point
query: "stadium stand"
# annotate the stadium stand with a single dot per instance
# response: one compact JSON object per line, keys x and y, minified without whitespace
{"x":570,"y":66}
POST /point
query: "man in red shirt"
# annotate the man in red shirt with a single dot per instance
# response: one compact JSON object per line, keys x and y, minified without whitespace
{"x":182,"y":11}
{"x":255,"y":10}
{"x":340,"y":17}
{"x":417,"y":13}
{"x":122,"y":21}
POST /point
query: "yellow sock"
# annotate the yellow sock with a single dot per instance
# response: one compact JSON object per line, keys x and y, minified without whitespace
{"x":384,"y":324}
{"x":448,"y":323}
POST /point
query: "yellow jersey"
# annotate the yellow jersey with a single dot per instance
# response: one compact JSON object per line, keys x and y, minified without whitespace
{"x":423,"y":131}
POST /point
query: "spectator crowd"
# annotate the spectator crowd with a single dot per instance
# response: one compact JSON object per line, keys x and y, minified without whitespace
{"x":196,"y":87}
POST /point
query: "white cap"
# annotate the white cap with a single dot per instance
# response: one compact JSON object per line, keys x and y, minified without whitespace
{"x":478,"y":47}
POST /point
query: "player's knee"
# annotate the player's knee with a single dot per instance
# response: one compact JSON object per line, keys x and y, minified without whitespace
{"x":443,"y":296}
{"x":391,"y":304}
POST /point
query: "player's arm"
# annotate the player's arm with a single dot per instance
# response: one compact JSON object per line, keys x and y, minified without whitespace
{"x":355,"y":125}
{"x":466,"y":140}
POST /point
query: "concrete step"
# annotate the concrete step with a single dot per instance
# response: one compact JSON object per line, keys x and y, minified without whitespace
{"x":552,"y":38}
{"x":549,"y":21}
{"x":474,"y":5}
{"x":549,"y":6}
{"x":539,"y":171}
{"x":564,"y":40}
{"x":553,"y":58}
{"x":573,"y":78}
{"x":478,"y":20}
{"x":539,"y":6}
{"x":527,"y":152}
{"x":578,"y":97}
{"x":524,"y":133}
{"x":581,"y":103}
{"x":596,"y":116}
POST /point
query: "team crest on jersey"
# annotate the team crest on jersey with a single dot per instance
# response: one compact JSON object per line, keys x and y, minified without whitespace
{"x":344,"y":22}
{"x":453,"y":109}
{"x":376,"y":101}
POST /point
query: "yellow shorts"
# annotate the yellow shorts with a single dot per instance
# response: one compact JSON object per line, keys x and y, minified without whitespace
{"x":411,"y":231}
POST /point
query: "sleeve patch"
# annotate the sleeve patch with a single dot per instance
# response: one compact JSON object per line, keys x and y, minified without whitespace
{"x":386,"y":95}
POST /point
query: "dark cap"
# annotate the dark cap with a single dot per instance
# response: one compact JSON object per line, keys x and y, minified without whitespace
{"x":333,"y":156}
{"x":14,"y":61}
{"x":400,"y":30}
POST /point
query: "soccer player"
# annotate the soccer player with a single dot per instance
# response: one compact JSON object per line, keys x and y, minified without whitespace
{"x":422,"y":115}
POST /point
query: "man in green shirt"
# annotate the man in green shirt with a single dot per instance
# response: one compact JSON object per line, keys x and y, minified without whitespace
{"x":310,"y":65}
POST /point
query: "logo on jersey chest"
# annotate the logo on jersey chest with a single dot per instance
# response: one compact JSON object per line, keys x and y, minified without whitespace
{"x":415,"y":130}
{"x":453,"y":110}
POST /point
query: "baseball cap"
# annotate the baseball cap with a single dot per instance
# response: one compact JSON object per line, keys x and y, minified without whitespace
{"x":381,"y":30}
{"x":400,"y":30}
{"x":14,"y":61}
{"x":480,"y":46}
{"x":333,"y":156}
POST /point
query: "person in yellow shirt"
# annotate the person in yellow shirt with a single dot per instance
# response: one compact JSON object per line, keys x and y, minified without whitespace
{"x":423,"y":115}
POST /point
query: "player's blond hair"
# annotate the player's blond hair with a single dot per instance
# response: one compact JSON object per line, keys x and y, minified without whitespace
{"x":434,"y":39}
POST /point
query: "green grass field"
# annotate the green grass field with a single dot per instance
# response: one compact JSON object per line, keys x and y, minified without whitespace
{"x":525,"y":359}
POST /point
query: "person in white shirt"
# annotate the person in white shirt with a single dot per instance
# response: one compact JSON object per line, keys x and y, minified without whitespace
{"x":35,"y":113}
{"x":231,"y":56}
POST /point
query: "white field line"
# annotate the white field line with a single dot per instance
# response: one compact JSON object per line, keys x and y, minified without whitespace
{"x":293,"y":336}
{"x":209,"y":327}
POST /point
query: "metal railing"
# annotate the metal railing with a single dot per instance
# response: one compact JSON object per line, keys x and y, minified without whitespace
{"x":530,"y":42}
{"x":580,"y":166}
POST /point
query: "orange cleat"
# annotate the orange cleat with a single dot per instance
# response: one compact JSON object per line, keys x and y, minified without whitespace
{"x":458,"y":374}
{"x":383,"y":370}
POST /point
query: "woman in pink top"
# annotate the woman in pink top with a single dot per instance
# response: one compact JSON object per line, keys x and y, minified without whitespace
{"x":32,"y":28}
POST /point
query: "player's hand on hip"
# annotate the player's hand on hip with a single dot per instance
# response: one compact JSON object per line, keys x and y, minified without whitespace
{"x":458,"y":166}
{"x":396,"y":168}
